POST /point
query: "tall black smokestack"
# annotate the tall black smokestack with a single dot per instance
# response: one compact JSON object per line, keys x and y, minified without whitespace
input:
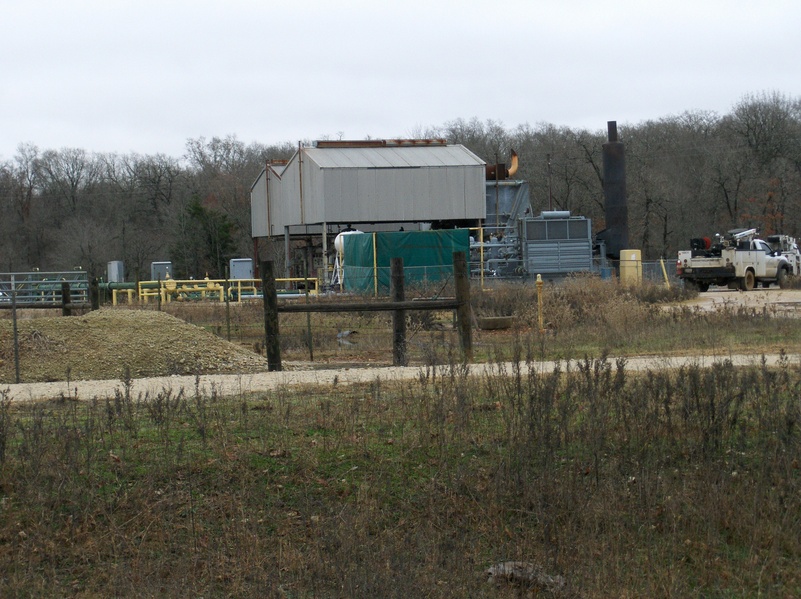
{"x":616,"y":234}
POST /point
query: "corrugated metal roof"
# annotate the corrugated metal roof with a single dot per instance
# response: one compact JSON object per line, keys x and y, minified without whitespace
{"x":392,"y":157}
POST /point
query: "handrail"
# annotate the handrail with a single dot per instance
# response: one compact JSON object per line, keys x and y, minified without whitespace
{"x":238,"y":289}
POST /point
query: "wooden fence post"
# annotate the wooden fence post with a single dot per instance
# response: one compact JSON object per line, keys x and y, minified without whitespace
{"x":66,"y":302}
{"x":463,"y":312}
{"x":272,"y":346}
{"x":16,"y":331}
{"x":94,"y":294}
{"x":398,"y":316}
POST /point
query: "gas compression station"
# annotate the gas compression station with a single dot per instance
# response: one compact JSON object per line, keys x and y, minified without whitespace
{"x":342,"y":209}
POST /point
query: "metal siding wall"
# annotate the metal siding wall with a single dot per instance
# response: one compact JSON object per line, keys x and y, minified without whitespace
{"x":286,"y":203}
{"x":258,"y":207}
{"x":274,"y":198}
{"x":454,"y":199}
{"x":475,"y":193}
{"x":342,"y":188}
{"x":314,"y":199}
{"x":411,"y":193}
{"x":334,"y":184}
{"x":392,"y":194}
{"x":341,"y":194}
{"x":437,"y":190}
{"x":385,"y":198}
{"x":369,"y":204}
{"x":277,"y":210}
{"x":352,"y":195}
{"x":395,"y":193}
{"x":419,"y":194}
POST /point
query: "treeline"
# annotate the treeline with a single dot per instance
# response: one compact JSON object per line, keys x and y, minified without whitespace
{"x":689,"y":175}
{"x":70,"y":208}
{"x":692,"y":174}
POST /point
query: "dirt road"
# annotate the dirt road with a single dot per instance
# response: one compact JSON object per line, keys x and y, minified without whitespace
{"x":237,"y":384}
{"x":161,"y":332}
{"x":775,"y":300}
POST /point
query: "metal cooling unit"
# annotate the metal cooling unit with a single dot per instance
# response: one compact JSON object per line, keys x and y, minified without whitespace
{"x":556,"y":243}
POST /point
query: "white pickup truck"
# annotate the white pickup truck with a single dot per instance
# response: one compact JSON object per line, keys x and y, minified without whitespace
{"x":739,"y":260}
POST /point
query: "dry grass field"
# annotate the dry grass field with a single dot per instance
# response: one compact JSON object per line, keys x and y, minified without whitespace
{"x":608,"y":482}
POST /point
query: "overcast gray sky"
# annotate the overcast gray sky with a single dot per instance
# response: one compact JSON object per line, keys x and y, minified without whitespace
{"x":144,"y":76}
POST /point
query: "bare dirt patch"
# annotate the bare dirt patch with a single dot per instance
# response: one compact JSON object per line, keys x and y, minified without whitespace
{"x":774,"y":300}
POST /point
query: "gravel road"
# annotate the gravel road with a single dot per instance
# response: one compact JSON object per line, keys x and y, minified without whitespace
{"x":265,"y":382}
{"x":780,"y":301}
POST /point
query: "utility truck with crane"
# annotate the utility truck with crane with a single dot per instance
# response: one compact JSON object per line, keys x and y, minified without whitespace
{"x":739,"y":260}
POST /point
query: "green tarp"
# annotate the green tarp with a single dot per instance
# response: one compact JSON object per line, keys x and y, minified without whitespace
{"x":427,"y":257}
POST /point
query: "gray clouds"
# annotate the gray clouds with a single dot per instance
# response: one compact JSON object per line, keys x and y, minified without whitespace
{"x":144,"y":76}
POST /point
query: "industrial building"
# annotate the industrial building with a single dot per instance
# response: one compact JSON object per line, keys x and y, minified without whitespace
{"x":403,"y":186}
{"x":372,"y":185}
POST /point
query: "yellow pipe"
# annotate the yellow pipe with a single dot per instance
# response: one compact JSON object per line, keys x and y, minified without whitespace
{"x":207,"y":288}
{"x":114,"y":297}
{"x":375,"y":268}
{"x":481,"y":254}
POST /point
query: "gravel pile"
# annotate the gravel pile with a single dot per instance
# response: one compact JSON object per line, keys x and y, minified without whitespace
{"x":107,"y":343}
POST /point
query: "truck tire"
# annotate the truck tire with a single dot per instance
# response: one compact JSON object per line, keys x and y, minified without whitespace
{"x":748,"y":281}
{"x":702,"y":286}
{"x":781,"y":278}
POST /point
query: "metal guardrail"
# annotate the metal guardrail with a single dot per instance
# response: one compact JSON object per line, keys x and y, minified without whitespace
{"x":42,"y":288}
{"x":167,"y":290}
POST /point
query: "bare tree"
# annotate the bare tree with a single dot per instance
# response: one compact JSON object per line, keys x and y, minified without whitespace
{"x":222,"y":171}
{"x":688,"y":175}
{"x":67,"y":175}
{"x":764,"y":134}
{"x":26,"y":177}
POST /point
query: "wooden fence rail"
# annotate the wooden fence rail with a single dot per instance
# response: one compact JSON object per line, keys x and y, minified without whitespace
{"x":398,"y":305}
